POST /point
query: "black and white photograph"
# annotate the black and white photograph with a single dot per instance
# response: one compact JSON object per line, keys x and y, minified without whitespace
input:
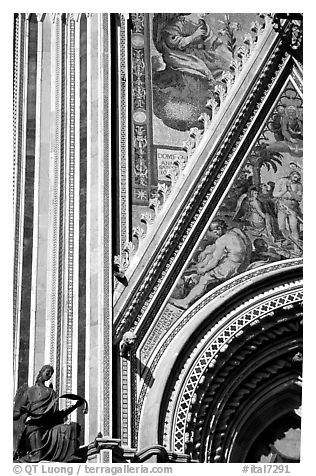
{"x":157,"y":240}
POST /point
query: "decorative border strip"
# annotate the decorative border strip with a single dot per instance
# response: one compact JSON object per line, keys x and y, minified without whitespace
{"x":17,"y":87}
{"x":55,"y":228}
{"x":123,"y":124}
{"x":141,"y":186}
{"x":63,"y":85}
{"x":54,"y":203}
{"x":125,"y":409}
{"x":165,"y":322}
{"x":107,"y":285}
{"x":71,"y":202}
{"x":18,"y":167}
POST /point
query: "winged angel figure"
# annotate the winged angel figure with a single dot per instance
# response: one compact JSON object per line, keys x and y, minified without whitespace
{"x":39,"y":429}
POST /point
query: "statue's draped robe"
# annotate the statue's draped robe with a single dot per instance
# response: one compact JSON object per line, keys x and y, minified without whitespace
{"x":56,"y":441}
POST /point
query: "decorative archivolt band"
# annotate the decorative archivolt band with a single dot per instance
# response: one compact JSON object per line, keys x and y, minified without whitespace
{"x":210,"y":346}
{"x":168,"y":317}
{"x":151,"y":343}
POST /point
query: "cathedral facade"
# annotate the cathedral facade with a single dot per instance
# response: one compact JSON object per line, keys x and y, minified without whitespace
{"x":158,"y":194}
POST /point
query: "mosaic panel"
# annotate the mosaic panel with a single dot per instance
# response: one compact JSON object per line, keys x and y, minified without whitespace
{"x":260,"y":219}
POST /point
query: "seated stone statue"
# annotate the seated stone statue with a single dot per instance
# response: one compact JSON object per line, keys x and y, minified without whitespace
{"x":40,"y":431}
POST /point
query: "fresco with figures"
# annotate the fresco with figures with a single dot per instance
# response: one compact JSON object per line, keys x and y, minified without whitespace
{"x":190,"y":55}
{"x":260,"y":219}
{"x":177,"y":75}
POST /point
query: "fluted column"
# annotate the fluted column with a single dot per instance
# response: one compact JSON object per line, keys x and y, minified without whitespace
{"x":63,"y":181}
{"x":25,"y":174}
{"x":69,"y":334}
{"x":41,"y":197}
{"x":99,"y":233}
{"x":19,"y":124}
{"x":55,"y":197}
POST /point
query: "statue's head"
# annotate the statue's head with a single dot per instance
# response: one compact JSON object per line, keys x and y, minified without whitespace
{"x":45,"y":373}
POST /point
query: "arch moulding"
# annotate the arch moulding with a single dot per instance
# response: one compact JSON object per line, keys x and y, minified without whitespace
{"x":165,"y":405}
